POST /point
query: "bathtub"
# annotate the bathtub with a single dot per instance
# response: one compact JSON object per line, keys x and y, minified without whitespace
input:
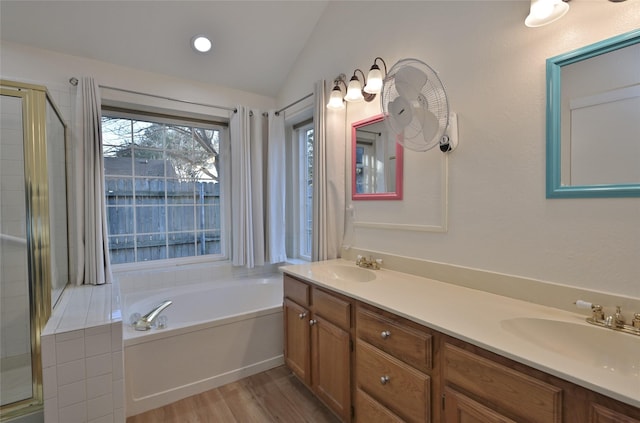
{"x":217,"y":333}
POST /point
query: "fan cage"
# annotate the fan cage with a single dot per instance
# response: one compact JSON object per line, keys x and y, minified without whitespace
{"x":432,"y":97}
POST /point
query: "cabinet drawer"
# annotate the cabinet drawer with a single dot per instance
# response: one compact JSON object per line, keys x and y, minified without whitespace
{"x":394,"y":384}
{"x":296,"y":290}
{"x":394,"y":337}
{"x":505,"y":389}
{"x":332,"y":308}
{"x":369,"y":410}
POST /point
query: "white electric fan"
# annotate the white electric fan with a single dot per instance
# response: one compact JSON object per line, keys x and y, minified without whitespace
{"x":416,"y":108}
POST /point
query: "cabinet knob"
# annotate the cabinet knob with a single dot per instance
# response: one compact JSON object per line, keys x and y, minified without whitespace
{"x":384,"y":379}
{"x":312,"y":322}
{"x":385,"y":334}
{"x":302,"y":315}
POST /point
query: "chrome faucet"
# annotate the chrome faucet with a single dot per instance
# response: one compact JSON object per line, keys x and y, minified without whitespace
{"x":146,"y":321}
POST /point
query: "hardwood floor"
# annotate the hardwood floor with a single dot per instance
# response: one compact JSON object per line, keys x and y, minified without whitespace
{"x":272,"y":396}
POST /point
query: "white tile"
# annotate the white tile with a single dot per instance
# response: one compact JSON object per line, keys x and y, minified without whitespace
{"x":48,"y":350}
{"x":117,"y":391}
{"x":66,"y":336}
{"x":100,"y":406}
{"x":98,"y":344}
{"x":116,"y":336}
{"x":118,"y":416}
{"x":72,"y":393}
{"x":51,"y":410}
{"x":96,"y":330}
{"x":76,"y":413}
{"x":98,"y":365}
{"x":104,"y":419}
{"x":117,"y":365}
{"x":73,"y":371}
{"x":69,"y":350}
{"x":98,"y":386}
{"x":49,"y":382}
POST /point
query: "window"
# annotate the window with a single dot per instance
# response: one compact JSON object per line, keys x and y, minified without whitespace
{"x":305,"y":189}
{"x":164,"y":190}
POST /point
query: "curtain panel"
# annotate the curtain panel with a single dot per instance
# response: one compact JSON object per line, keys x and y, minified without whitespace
{"x":90,"y":263}
{"x":276,"y":165}
{"x":247,"y":202}
{"x":329,"y":158}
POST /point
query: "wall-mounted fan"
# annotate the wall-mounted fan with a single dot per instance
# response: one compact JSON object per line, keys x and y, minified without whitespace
{"x":415,"y":106}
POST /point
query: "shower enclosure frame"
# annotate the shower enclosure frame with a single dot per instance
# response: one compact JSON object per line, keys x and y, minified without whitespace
{"x":34,"y":121}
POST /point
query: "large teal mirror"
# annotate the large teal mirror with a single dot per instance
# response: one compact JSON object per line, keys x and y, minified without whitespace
{"x":593,"y":120}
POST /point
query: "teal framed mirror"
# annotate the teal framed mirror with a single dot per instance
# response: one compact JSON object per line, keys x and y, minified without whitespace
{"x":593,"y":120}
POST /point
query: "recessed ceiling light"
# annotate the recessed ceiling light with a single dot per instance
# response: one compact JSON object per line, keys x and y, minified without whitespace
{"x":201,"y":43}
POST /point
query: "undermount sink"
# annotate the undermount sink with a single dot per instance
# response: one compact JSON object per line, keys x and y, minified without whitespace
{"x":350,"y":273}
{"x":599,"y":347}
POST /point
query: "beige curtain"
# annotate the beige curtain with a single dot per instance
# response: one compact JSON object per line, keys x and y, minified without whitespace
{"x":328,"y":177}
{"x":88,"y":224}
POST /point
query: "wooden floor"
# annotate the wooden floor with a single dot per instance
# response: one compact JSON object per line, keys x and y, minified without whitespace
{"x":272,"y":396}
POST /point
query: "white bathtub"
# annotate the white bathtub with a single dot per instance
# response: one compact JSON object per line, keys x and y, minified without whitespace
{"x":217,"y":333}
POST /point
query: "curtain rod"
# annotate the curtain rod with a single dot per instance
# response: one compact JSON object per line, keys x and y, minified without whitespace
{"x":74,"y":81}
{"x":293,"y":104}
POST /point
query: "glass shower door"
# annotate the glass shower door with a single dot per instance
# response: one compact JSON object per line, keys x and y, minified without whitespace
{"x":16,"y":379}
{"x":33,"y":237}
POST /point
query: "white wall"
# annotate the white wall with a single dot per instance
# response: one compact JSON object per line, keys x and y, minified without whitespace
{"x":493,"y":68}
{"x":28,"y":64}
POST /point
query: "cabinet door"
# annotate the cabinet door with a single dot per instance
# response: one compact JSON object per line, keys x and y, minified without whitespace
{"x":331,"y":357}
{"x":601,"y":414}
{"x":459,"y":408}
{"x":296,"y":340}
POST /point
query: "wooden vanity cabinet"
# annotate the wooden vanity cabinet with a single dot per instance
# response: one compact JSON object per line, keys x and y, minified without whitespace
{"x":481,"y":386}
{"x":406,"y":372}
{"x":318,"y":342}
{"x":394,"y":368}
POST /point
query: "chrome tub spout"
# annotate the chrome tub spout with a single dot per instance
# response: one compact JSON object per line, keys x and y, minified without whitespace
{"x":146,"y":321}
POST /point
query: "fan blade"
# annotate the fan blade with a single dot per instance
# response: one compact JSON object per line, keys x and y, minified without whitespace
{"x":400,"y":114}
{"x":409,"y":82}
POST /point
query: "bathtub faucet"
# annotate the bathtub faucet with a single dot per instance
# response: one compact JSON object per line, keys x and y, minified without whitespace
{"x":145,"y":322}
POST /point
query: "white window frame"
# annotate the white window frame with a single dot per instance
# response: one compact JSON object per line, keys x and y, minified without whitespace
{"x":224,"y":173}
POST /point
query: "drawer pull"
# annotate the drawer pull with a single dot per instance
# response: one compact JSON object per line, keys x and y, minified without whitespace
{"x":302,"y":315}
{"x":385,"y":334}
{"x":312,"y":322}
{"x":384,"y":379}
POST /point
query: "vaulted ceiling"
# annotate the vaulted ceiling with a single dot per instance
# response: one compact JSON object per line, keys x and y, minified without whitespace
{"x":255,"y":43}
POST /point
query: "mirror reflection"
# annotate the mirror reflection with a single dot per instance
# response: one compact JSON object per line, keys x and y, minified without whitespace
{"x":376,"y":161}
{"x":593,"y":120}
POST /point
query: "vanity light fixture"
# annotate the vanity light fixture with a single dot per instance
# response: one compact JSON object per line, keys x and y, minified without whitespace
{"x":375,"y":77}
{"x":543,"y":12}
{"x":336,"y":101}
{"x":201,"y":43}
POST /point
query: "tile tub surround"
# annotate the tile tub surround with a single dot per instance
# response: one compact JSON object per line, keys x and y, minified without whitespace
{"x":83,"y":359}
{"x":476,"y":317}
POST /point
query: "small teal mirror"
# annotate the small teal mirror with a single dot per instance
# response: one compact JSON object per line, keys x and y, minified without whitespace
{"x":593,"y":120}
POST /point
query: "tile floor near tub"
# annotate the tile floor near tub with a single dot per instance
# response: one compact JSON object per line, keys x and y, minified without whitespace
{"x":271,"y":396}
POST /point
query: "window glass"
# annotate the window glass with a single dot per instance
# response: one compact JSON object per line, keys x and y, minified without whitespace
{"x":162,"y":188}
{"x":305,"y":135}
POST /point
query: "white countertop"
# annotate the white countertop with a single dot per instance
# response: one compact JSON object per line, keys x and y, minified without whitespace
{"x":484,"y":319}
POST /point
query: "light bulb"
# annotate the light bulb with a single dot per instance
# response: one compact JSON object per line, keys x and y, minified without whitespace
{"x":335,"y":99}
{"x":354,"y":90}
{"x":543,"y":12}
{"x":201,"y":43}
{"x":374,"y":81}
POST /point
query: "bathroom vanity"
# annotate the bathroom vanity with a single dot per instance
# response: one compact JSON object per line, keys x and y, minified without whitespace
{"x":384,"y":346}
